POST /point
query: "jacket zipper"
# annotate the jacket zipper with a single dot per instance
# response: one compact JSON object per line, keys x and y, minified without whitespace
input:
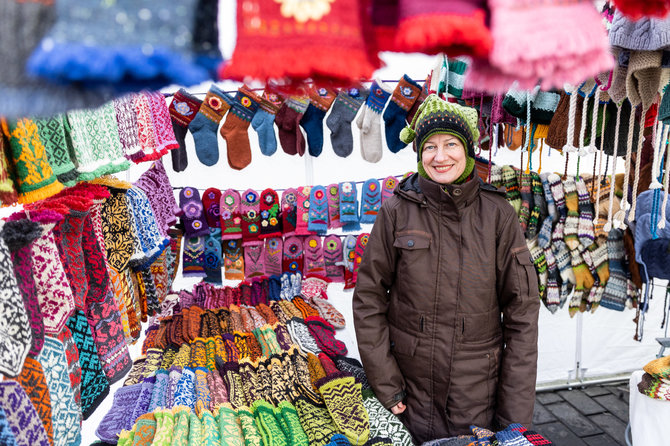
{"x":421,"y":323}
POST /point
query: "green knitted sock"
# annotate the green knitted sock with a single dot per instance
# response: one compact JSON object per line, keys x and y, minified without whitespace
{"x":271,"y":339}
{"x":290,"y":422}
{"x":210,"y":429}
{"x":268,"y":426}
{"x":164,"y":427}
{"x":230,"y":429}
{"x":180,"y":434}
{"x":342,"y":395}
{"x":251,"y":435}
{"x":316,"y":421}
{"x":194,"y":430}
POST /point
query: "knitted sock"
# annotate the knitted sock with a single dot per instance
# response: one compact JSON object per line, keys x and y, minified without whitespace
{"x":348,"y":203}
{"x":234,"y":260}
{"x":312,"y":121}
{"x":181,"y":426}
{"x":313,"y":254}
{"x":21,"y":416}
{"x":251,"y":216}
{"x":249,"y":427}
{"x":193,"y":211}
{"x":205,"y":124}
{"x":280,"y":380}
{"x":382,"y":422}
{"x":341,"y":116}
{"x":253,"y":260}
{"x":184,"y":394}
{"x":314,"y":286}
{"x":66,"y":412}
{"x":342,"y":395}
{"x":548,"y":197}
{"x":293,"y":255}
{"x":371,"y":201}
{"x":324,"y":335}
{"x":287,"y":119}
{"x":526,"y":201}
{"x":270,"y":225}
{"x":318,"y":210}
{"x":557,"y":193}
{"x":361,"y":243}
{"x":369,"y":122}
{"x":218,"y":391}
{"x":272,"y":254}
{"x":52,"y":134}
{"x":158,"y":391}
{"x":211,"y":202}
{"x":183,"y":110}
{"x":194,"y":257}
{"x":264,"y":120}
{"x":213,"y":261}
{"x":289,"y":212}
{"x":118,"y":417}
{"x":562,"y":254}
{"x":329,"y":312}
{"x":600,"y":262}
{"x":512,"y":188}
{"x":230,"y":215}
{"x":614,"y":296}
{"x":296,"y":283}
{"x":388,"y":186}
{"x":333,"y":196}
{"x":571,"y":197}
{"x":306,"y":310}
{"x":404,"y":96}
{"x":285,"y":281}
{"x":585,"y":228}
{"x":570,"y":234}
{"x":269,"y":427}
{"x":538,"y":197}
{"x":332,"y":254}
{"x":234,"y":129}
{"x":315,"y":420}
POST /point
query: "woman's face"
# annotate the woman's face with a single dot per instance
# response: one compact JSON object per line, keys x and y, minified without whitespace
{"x":443,"y":158}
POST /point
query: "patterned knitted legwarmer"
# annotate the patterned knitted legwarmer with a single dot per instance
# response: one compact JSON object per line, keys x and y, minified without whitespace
{"x":94,"y":383}
{"x":342,"y":395}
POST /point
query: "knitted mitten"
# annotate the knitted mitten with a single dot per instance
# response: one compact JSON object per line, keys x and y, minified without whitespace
{"x":594,"y":297}
{"x":289,"y":212}
{"x":302,"y":210}
{"x":583,"y":280}
{"x":324,"y":335}
{"x":404,"y":96}
{"x":213,"y":259}
{"x":183,"y":109}
{"x":353,"y":367}
{"x":333,"y":195}
{"x":348,"y":203}
{"x":288,"y":119}
{"x":329,"y":312}
{"x":548,"y":197}
{"x":538,"y":197}
{"x":512,"y":188}
{"x":314,"y":262}
{"x":369,"y":122}
{"x":293,"y":255}
{"x":318,"y":210}
{"x":312,"y":121}
{"x":254,"y":260}
{"x":342,"y":395}
{"x":272,"y":256}
{"x":526,"y":200}
{"x":332,"y":254}
{"x":251,"y":216}
{"x":614,"y":296}
{"x":371,"y":201}
{"x":193,"y":216}
{"x":211,"y":202}
{"x":382,"y":422}
{"x":270,"y":218}
{"x":328,"y":364}
{"x":229,"y":206}
{"x":585,"y":227}
{"x":301,"y":336}
{"x":206,"y":123}
{"x":553,"y":279}
{"x":388,"y":186}
{"x":339,"y":120}
{"x":234,"y":260}
{"x":558,"y":195}
{"x":234,"y":129}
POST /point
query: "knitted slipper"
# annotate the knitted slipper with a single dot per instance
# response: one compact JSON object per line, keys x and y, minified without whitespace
{"x":315,"y":420}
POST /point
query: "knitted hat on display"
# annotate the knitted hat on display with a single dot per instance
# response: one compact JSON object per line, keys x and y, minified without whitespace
{"x":646,"y":34}
{"x":21,"y":415}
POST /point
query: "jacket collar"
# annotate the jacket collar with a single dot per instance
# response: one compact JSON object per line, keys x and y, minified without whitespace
{"x":427,"y":192}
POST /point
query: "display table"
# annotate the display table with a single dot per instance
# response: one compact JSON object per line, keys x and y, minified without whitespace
{"x":649,"y":417}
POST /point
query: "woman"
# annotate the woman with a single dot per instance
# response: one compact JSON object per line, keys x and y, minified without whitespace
{"x":446,"y":302}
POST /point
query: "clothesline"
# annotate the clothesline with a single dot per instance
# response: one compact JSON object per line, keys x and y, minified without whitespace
{"x":167,"y":95}
{"x":281,"y":190}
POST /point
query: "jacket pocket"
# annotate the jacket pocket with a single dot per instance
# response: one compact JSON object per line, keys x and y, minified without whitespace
{"x":402,"y":343}
{"x":527,"y":276}
{"x":412,"y":241}
{"x":479,"y":328}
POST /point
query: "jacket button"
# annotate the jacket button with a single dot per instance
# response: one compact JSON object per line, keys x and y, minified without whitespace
{"x":457,"y":192}
{"x":410,"y":243}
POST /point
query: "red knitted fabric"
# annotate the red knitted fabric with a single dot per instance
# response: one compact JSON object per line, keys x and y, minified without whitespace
{"x":283,"y":39}
{"x":636,"y":9}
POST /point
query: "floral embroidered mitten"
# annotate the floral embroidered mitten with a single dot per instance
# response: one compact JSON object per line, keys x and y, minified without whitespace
{"x":229,"y":210}
{"x":318,"y":211}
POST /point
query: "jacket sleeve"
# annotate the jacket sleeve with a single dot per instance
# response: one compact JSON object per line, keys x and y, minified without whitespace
{"x":370,"y":305}
{"x":518,"y":297}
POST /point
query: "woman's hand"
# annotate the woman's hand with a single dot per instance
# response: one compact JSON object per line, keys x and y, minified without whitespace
{"x":398,"y":408}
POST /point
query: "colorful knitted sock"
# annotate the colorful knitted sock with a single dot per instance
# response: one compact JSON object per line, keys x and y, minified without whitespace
{"x":371,"y":201}
{"x":159,"y":390}
{"x":212,"y":259}
{"x":548,"y":196}
{"x":52,"y":134}
{"x":600,"y":262}
{"x":288,"y":119}
{"x":65,"y":413}
{"x":369,"y":122}
{"x":341,"y":116}
{"x":289,"y":211}
{"x":333,"y":196}
{"x":301,"y":336}
{"x":164,"y":427}
{"x":144,"y":399}
{"x":270,"y":225}
{"x":272,"y":256}
{"x":342,"y":395}
{"x":205,"y":124}
{"x":614,"y":296}
{"x":404,"y":96}
{"x":230,"y":429}
{"x":268,"y":426}
{"x":512,"y":188}
{"x":324,"y":335}
{"x":329,"y":312}
{"x":181,"y":426}
{"x":202,"y":396}
{"x":538,"y":197}
{"x":328,"y":364}
{"x":315,"y":420}
{"x":281,"y":380}
{"x":318,"y":210}
{"x":312,"y":121}
{"x":348,"y":203}
{"x":184,"y":393}
{"x":585,"y":228}
{"x":302,"y":210}
{"x":263,"y":123}
{"x":570,"y":234}
{"x":558,"y":195}
{"x":382,"y":422}
{"x":562,"y":254}
{"x":234,"y":129}
{"x":313,"y":254}
{"x":211,"y":200}
{"x":193,"y":215}
{"x":526,"y":200}
{"x":544,"y":237}
{"x":290,"y":422}
{"x":183,"y":110}
{"x":292,"y":260}
{"x":388,"y":186}
{"x":251,"y":216}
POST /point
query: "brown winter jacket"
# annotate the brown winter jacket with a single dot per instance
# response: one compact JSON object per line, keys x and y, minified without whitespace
{"x":440,"y":269}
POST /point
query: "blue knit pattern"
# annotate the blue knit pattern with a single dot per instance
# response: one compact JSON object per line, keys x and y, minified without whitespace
{"x":6,"y":435}
{"x":377,"y":98}
{"x":185,"y":392}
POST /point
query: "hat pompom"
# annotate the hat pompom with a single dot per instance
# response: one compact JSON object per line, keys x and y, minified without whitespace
{"x":407,"y":135}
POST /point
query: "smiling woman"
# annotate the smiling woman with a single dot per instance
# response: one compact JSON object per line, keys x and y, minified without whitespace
{"x":443,"y":158}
